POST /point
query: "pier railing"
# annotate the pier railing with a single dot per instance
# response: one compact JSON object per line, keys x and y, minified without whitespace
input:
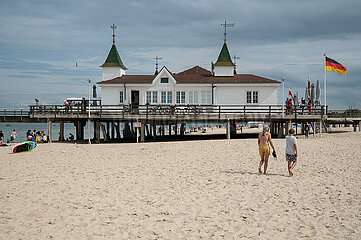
{"x":173,"y":110}
{"x":350,"y":113}
{"x":11,"y":113}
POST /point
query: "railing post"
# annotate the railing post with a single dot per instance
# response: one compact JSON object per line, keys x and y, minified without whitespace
{"x":295,"y":112}
{"x":101,"y":110}
{"x":56,"y":109}
{"x":322,"y":108}
{"x":269,"y":111}
{"x":21,"y":115}
{"x":244,"y":112}
{"x":4,"y":114}
{"x":146,"y":113}
{"x":219,"y":111}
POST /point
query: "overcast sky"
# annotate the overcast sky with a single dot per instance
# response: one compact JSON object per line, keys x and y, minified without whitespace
{"x":40,"y":42}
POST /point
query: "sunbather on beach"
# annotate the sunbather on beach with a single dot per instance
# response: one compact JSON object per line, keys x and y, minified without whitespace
{"x":264,"y":140}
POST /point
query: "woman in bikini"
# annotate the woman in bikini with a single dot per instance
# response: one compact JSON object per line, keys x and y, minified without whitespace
{"x":264,"y":140}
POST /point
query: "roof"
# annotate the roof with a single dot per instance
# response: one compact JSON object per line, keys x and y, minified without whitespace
{"x":113,"y":59}
{"x":224,"y":58}
{"x":196,"y":74}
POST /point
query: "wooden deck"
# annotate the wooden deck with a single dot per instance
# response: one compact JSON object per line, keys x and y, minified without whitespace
{"x":177,"y":113}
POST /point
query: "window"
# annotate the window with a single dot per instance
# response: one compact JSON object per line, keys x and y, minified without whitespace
{"x":209,"y":98}
{"x":255,"y":97}
{"x":195,"y":97}
{"x":164,"y":80}
{"x":155,"y":97}
{"x":163,"y":97}
{"x":181,"y":97}
{"x":206,"y":97}
{"x":169,"y":97}
{"x":121,"y":97}
{"x":249,"y":97}
{"x":148,"y":97}
{"x":252,"y":97}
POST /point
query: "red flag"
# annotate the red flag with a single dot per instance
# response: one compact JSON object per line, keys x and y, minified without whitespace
{"x":290,"y":93}
{"x":309,"y":88}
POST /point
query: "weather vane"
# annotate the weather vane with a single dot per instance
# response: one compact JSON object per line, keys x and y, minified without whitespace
{"x":156,"y":63}
{"x":113,"y":27}
{"x":234,"y":61}
{"x":225,"y":25}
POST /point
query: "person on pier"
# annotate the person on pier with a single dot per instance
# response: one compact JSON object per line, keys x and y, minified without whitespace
{"x":264,"y":140}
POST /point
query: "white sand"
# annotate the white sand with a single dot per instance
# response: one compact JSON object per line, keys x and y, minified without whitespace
{"x":182,"y":190}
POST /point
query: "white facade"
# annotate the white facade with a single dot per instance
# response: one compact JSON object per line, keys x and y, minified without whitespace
{"x":171,"y":92}
{"x":111,"y":73}
{"x":223,"y":71}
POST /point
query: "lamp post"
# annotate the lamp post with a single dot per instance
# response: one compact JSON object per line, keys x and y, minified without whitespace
{"x":283,"y":97}
{"x":89,"y":112}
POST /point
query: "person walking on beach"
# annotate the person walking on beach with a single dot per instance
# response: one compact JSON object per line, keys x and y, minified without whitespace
{"x":13,"y":136}
{"x":264,"y":140}
{"x":291,"y":150}
{"x":307,"y":130}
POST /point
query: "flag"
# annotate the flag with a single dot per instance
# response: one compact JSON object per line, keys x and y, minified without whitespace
{"x":332,"y":65}
{"x":309,"y":87}
{"x":290,"y":93}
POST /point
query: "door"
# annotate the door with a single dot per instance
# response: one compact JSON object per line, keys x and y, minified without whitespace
{"x":135,"y":99}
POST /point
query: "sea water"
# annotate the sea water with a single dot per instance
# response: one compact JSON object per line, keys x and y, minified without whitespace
{"x":22,"y":128}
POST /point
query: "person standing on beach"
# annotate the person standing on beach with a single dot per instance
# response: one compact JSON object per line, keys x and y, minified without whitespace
{"x":264,"y":140}
{"x":291,"y":150}
{"x":13,"y":136}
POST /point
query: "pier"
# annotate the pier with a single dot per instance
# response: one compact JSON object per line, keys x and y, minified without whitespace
{"x":143,"y":122}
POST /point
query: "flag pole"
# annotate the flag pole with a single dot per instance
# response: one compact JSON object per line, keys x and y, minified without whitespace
{"x":324,"y":82}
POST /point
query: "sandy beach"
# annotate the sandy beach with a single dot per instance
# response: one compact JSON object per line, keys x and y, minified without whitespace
{"x":182,"y":190}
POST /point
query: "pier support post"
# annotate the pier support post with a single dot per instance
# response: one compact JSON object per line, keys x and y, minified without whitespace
{"x":113,"y":128}
{"x":154,"y":128}
{"x":61,"y":137}
{"x":163,"y":130}
{"x":359,"y":126}
{"x":170,"y":129}
{"x":175,"y":128}
{"x":142,"y":131}
{"x":108,"y":130}
{"x":321,"y":128}
{"x":181,"y":130}
{"x":49,"y":130}
{"x":233,"y":128}
{"x":79,"y":126}
{"x":97,"y":131}
{"x":127,"y":131}
{"x":228,"y":129}
{"x":354,"y":126}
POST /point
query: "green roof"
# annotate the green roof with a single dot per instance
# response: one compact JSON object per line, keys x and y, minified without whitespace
{"x":224,"y":59}
{"x":113,"y":59}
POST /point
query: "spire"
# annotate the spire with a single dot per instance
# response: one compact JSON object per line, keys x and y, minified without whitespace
{"x":113,"y":59}
{"x":224,"y":58}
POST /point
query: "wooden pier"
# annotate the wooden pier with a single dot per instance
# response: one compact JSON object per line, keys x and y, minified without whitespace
{"x":150,"y":121}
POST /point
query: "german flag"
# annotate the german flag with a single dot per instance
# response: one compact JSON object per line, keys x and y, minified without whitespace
{"x":332,"y":65}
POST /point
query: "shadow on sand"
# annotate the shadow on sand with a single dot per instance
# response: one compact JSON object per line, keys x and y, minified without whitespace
{"x":253,"y":173}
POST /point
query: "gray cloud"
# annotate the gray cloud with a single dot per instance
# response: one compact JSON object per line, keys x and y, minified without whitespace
{"x":40,"y":41}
